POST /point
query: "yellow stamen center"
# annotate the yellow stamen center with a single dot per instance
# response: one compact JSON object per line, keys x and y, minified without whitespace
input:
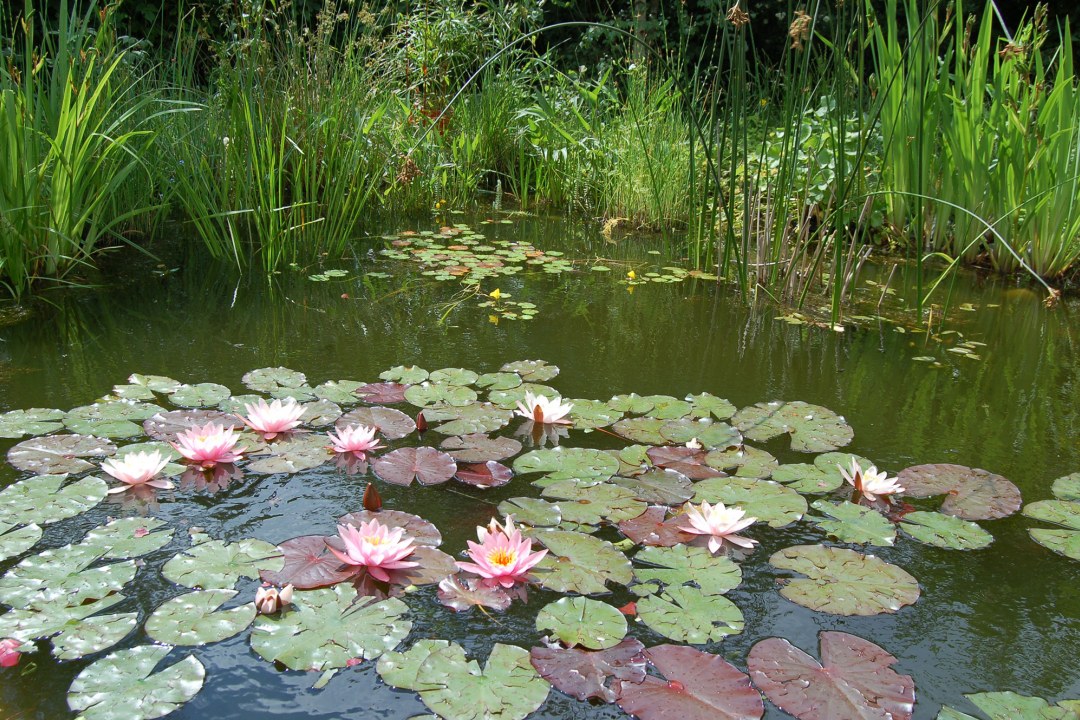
{"x":502,"y":558}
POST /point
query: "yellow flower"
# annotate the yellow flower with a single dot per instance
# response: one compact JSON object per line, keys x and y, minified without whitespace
{"x":495,"y":294}
{"x":632,"y":275}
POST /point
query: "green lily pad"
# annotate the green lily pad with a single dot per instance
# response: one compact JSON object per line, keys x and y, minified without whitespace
{"x":508,"y":399}
{"x":52,"y":619}
{"x":298,"y":452}
{"x":1060,"y":512}
{"x":214,"y":564}
{"x":666,"y":407}
{"x":853,"y":523}
{"x":156,"y":383}
{"x":586,"y":502}
{"x":684,"y":565}
{"x":117,"y":419}
{"x":194,"y":619}
{"x":65,"y":574}
{"x":743,"y":461}
{"x":711,"y":434}
{"x":768,"y":501}
{"x":267,"y":380}
{"x":690,"y":615}
{"x":643,"y":430}
{"x":453,"y":376}
{"x":103,"y":428}
{"x":199,"y":396}
{"x":971,"y":493}
{"x":454,"y":688}
{"x":580,"y":563}
{"x":1064,"y":542}
{"x":563,"y":463}
{"x":128,"y":537}
{"x":532,"y":371}
{"x":1067,"y":488}
{"x":844,"y":582}
{"x":479,"y":447}
{"x":426,"y":394}
{"x":132,"y":391}
{"x":467,"y":419}
{"x":584,"y":622}
{"x":1013,"y":706}
{"x":45,"y":499}
{"x":124,"y":686}
{"x":945,"y":531}
{"x":328,"y":627}
{"x":405,"y":374}
{"x":16,"y":542}
{"x":812,"y":428}
{"x":57,"y":454}
{"x":663,"y":487}
{"x":498,"y":381}
{"x":591,"y":414}
{"x":821,"y":476}
{"x":532,"y":511}
{"x":320,"y":413}
{"x":631,"y":403}
{"x":391,"y":424}
{"x":706,"y":405}
{"x":92,"y":635}
{"x":35,"y":421}
{"x":342,"y":392}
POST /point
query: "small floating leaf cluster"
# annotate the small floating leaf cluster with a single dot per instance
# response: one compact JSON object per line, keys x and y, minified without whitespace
{"x":689,"y":495}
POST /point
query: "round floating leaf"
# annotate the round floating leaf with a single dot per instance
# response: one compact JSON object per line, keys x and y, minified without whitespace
{"x":768,"y":501}
{"x":644,"y":430}
{"x":580,"y":563}
{"x":453,"y":376}
{"x":1064,"y":542}
{"x":563,"y":463}
{"x":711,"y":434}
{"x":386,"y":393}
{"x":103,"y":428}
{"x":320,"y":413}
{"x":632,"y":403}
{"x":744,"y":461}
{"x":420,"y":530}
{"x":973,"y":494}
{"x":342,"y":392}
{"x":193,"y":619}
{"x":426,"y":394}
{"x":653,"y":528}
{"x":425,"y":464}
{"x":468,"y":419}
{"x":533,"y":371}
{"x":57,"y":454}
{"x":508,"y":399}
{"x":110,"y":419}
{"x":945,"y":531}
{"x":589,"y":414}
{"x":92,"y":635}
{"x":666,"y":487}
{"x":391,"y":424}
{"x":133,"y":392}
{"x":199,"y":396}
{"x":156,"y":383}
{"x":585,"y":674}
{"x":128,"y":537}
{"x":687,"y":461}
{"x":328,"y":627}
{"x":532,"y":511}
{"x":689,"y":614}
{"x":1067,"y":488}
{"x":484,"y":475}
{"x":167,"y":425}
{"x":16,"y":542}
{"x":844,"y":582}
{"x":308,"y":565}
{"x":706,"y":405}
{"x":683,"y":565}
{"x":1013,"y":706}
{"x":62,"y":574}
{"x":820,"y":477}
{"x":1060,"y":512}
{"x":433,"y":567}
{"x":666,"y":407}
{"x":291,"y":454}
{"x":498,"y":381}
{"x":120,"y":686}
{"x":405,"y":374}
{"x":854,"y":680}
{"x":853,"y":523}
{"x":266,"y":380}
{"x":461,"y":593}
{"x":214,"y":564}
{"x":582,"y":621}
{"x":35,"y":421}
{"x":587,"y":502}
{"x":478,"y":447}
{"x":694,"y":685}
{"x":812,"y":427}
{"x":45,"y":499}
{"x":52,"y":619}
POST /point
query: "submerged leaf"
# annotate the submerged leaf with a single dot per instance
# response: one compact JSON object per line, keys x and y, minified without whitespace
{"x":124,"y":686}
{"x":844,"y":582}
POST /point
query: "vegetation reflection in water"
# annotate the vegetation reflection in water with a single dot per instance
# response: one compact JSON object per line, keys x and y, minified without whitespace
{"x":622,"y":517}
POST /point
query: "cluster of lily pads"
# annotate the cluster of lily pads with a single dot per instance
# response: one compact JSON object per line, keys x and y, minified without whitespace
{"x":688,"y":474}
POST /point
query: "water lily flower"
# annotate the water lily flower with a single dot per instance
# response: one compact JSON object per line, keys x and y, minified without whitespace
{"x":209,"y":445}
{"x":356,"y":439}
{"x":376,"y":547}
{"x":719,"y":523}
{"x":543,"y":411}
{"x":9,"y":652}
{"x":274,"y":418}
{"x":138,"y":468}
{"x":502,"y":557}
{"x":268,"y":600}
{"x":870,"y":483}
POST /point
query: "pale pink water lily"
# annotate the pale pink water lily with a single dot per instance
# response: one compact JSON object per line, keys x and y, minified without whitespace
{"x":272,"y":419}
{"x":376,"y":547}
{"x":356,"y":439}
{"x":268,"y":600}
{"x":209,"y":445}
{"x":502,"y":557}
{"x":138,"y":468}
{"x":541,"y":410}
{"x":719,"y":523}
{"x":870,"y":483}
{"x":9,"y":652}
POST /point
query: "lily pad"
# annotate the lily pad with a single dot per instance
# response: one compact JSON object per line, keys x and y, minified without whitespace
{"x":34,"y":421}
{"x":267,"y":380}
{"x":426,"y":465}
{"x":665,"y":487}
{"x":128,"y":537}
{"x":1067,"y":488}
{"x":508,"y":688}
{"x":328,"y":627}
{"x":653,"y":527}
{"x":533,"y":371}
{"x":854,"y":679}
{"x":118,"y":419}
{"x":973,"y":494}
{"x":65,"y":574}
{"x":1013,"y":706}
{"x":320,"y":413}
{"x":156,"y":383}
{"x":853,"y":523}
{"x":1064,"y":512}
{"x":584,"y":622}
{"x":420,"y":530}
{"x":385,"y":393}
{"x":498,"y":381}
{"x":945,"y":531}
{"x":684,"y":565}
{"x":16,"y":542}
{"x":484,"y":475}
{"x":453,"y":376}
{"x":666,"y":407}
{"x":688,"y":614}
{"x":167,"y":425}
{"x":292,"y":454}
{"x":50,"y":620}
{"x":479,"y":447}
{"x":631,"y":403}
{"x":643,"y":430}
{"x":585,"y":674}
{"x":124,"y":686}
{"x":467,"y":419}
{"x":346,"y":392}
{"x":57,"y":454}
{"x":707,"y":405}
{"x":407,"y":374}
{"x":132,"y":391}
{"x":214,"y":564}
{"x":45,"y":499}
{"x":194,"y":619}
{"x":532,"y":511}
{"x":426,"y":394}
{"x":711,"y":434}
{"x":591,"y":414}
{"x":308,"y":564}
{"x":391,"y":424}
{"x":586,"y":502}
{"x":689,"y":462}
{"x":462,"y":593}
{"x":694,"y":685}
{"x":766,"y":500}
{"x":821,"y":476}
{"x":563,"y":463}
{"x":92,"y":635}
{"x":744,"y":461}
{"x":812,"y":428}
{"x":844,"y":582}
{"x":199,"y":396}
{"x":508,"y":399}
{"x":580,"y":563}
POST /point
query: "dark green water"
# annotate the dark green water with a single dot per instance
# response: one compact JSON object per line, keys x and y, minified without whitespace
{"x":1003,"y":618}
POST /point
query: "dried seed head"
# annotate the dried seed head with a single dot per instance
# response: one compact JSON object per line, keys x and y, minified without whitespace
{"x":799,"y":32}
{"x":737,"y":16}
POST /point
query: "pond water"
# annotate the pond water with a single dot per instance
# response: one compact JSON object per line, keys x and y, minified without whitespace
{"x":1006,"y":617}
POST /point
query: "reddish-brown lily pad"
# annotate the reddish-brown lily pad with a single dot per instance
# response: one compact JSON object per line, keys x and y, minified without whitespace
{"x":484,"y":475}
{"x":688,"y":461}
{"x":425,"y":464}
{"x":308,"y":564}
{"x":479,"y":447}
{"x":973,"y":494}
{"x":391,"y":424}
{"x":384,"y":393}
{"x":585,"y":674}
{"x":854,"y":680}
{"x":695,"y":686}
{"x":653,"y":527}
{"x":167,"y":425}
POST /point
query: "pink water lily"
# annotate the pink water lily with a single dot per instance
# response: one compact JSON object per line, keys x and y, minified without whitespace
{"x":268,"y":600}
{"x":870,"y":483}
{"x":9,"y":652}
{"x":542,"y":410}
{"x":502,"y":557}
{"x":274,"y":418}
{"x":376,"y":547}
{"x":356,"y":439}
{"x":138,"y":468}
{"x":209,"y":445}
{"x":719,"y":523}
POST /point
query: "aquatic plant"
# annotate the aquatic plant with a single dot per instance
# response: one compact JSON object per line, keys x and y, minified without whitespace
{"x":502,"y":557}
{"x":543,"y":410}
{"x":209,"y":445}
{"x":375,"y":547}
{"x":869,"y":483}
{"x":719,"y":524}
{"x":274,"y":418}
{"x":269,"y":600}
{"x":138,"y":468}
{"x":356,"y":439}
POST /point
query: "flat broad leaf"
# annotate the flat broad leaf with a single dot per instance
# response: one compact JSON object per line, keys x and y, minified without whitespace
{"x":712,"y":435}
{"x":1063,"y":542}
{"x":65,"y":574}
{"x":532,"y":511}
{"x":417,"y":528}
{"x":199,"y":396}
{"x":320,"y":413}
{"x":16,"y":542}
{"x":851,"y":523}
{"x":643,"y":430}
{"x":653,"y":527}
{"x":1013,"y":706}
{"x":945,"y":531}
{"x":706,"y":405}
{"x":567,"y":463}
{"x":585,"y":674}
{"x":688,"y":614}
{"x":391,"y":424}
{"x":1065,"y":513}
{"x":45,"y":499}
{"x":215,"y":564}
{"x":267,"y":380}
{"x":689,"y":462}
{"x":128,"y":537}
{"x":124,"y":686}
{"x":584,"y":622}
{"x":844,"y":582}
{"x":92,"y":635}
{"x":684,"y":565}
{"x":743,"y":461}
{"x":308,"y":565}
{"x":662,"y":486}
{"x":812,"y":428}
{"x":484,"y":475}
{"x":533,"y":371}
{"x":479,"y":447}
{"x":405,"y":374}
{"x":166,"y":426}
{"x":591,"y":414}
{"x":58,"y":454}
{"x":461,"y":593}
{"x":291,"y":454}
{"x":768,"y":501}
{"x":469,"y":419}
{"x":426,"y":465}
{"x":426,"y":394}
{"x":1067,"y":488}
{"x":156,"y":383}
{"x":385,"y":393}
{"x":194,"y":618}
{"x":33,"y":421}
{"x":821,"y":476}
{"x":580,"y":563}
{"x":854,"y":680}
{"x":498,"y":381}
{"x":453,"y":376}
{"x":586,"y":502}
{"x":972,"y":493}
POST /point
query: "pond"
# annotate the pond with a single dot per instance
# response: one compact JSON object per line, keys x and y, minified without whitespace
{"x":993,"y":387}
